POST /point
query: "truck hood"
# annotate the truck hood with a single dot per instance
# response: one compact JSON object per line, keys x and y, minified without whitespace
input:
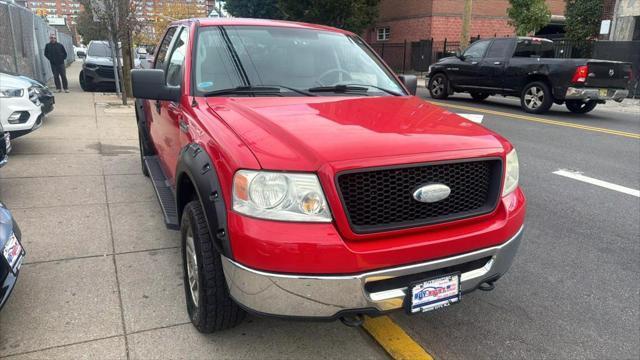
{"x":303,"y":133}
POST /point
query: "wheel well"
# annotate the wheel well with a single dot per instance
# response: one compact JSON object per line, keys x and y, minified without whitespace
{"x":537,"y":77}
{"x":185,"y":193}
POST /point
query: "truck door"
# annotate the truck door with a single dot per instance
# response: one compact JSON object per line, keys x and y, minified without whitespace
{"x":156,"y":112}
{"x":469,"y":73}
{"x":169,"y":114}
{"x":493,"y":65}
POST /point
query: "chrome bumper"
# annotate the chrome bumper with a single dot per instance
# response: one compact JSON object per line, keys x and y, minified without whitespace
{"x":594,"y":94}
{"x":327,"y":296}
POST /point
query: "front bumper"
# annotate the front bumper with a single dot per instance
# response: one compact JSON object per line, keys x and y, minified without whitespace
{"x":586,"y":94}
{"x":332,"y":296}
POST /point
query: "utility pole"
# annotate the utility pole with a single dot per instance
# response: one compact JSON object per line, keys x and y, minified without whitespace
{"x":466,"y":23}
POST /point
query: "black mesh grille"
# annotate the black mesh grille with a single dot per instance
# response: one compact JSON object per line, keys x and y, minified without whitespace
{"x":383,"y":199}
{"x":105,"y":71}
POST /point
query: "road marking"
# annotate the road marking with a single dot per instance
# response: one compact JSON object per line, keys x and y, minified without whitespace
{"x":393,"y":339}
{"x":540,"y":120}
{"x":476,"y":118}
{"x":589,"y":180}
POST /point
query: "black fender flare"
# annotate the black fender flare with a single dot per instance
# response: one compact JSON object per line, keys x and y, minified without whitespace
{"x":195,"y":165}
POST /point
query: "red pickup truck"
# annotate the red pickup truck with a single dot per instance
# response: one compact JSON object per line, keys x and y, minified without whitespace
{"x":308,"y":181}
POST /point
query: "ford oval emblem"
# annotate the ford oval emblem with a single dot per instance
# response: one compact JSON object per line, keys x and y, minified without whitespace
{"x":432,"y":193}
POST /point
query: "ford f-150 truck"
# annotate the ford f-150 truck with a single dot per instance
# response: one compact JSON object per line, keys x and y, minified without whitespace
{"x":307,"y":181}
{"x":525,"y":67}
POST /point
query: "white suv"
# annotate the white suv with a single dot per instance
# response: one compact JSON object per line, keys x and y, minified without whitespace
{"x":20,"y":108}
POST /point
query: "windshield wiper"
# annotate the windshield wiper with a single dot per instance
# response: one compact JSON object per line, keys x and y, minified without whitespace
{"x":394,"y":93}
{"x":246,"y":90}
{"x":345,"y":88}
{"x":338,"y":89}
{"x":256,"y":90}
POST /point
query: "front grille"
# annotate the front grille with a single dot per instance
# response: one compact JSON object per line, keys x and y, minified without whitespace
{"x":105,"y":71}
{"x":382,"y":199}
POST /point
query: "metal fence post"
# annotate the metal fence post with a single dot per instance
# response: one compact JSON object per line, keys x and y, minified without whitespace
{"x":444,"y":51}
{"x":382,"y":51}
{"x":404,"y":55}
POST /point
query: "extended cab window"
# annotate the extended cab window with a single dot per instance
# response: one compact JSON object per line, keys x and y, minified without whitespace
{"x":286,"y":57}
{"x":174,"y":69}
{"x":164,"y":48}
{"x":476,"y":50}
{"x":536,"y":48}
{"x":499,"y":49}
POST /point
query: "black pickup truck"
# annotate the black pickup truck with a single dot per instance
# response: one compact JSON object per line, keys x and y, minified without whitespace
{"x":525,"y":67}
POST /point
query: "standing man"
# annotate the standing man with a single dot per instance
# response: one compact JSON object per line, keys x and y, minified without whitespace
{"x":56,"y":54}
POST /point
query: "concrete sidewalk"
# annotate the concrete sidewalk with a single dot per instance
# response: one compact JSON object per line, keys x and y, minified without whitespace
{"x":103,"y":277}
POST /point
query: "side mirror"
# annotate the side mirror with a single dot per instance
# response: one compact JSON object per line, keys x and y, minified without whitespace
{"x":150,"y":84}
{"x":459,"y":55}
{"x":410,"y":82}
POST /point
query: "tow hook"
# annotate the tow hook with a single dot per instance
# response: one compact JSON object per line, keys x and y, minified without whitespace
{"x":487,"y":286}
{"x":352,"y":320}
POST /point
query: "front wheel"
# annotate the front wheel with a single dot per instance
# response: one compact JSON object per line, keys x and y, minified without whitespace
{"x":580,"y":107}
{"x":439,"y":86}
{"x":536,"y":98}
{"x":209,"y":304}
{"x":84,"y":84}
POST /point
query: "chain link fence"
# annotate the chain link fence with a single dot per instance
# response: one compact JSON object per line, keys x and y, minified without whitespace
{"x":24,"y":36}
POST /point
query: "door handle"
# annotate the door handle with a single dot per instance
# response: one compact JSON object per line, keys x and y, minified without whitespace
{"x":474,"y":63}
{"x":497,"y":63}
{"x":184,"y":127}
{"x":158,"y":106}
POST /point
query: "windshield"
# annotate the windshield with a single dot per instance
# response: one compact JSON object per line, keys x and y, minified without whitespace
{"x":234,"y":56}
{"x":100,"y":49}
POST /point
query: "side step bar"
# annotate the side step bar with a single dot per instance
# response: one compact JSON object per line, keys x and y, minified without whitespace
{"x":163,"y":192}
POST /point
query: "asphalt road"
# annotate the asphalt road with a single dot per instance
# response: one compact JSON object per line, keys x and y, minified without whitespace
{"x":573,"y":291}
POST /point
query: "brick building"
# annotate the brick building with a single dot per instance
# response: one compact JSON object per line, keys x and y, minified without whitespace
{"x":58,"y":9}
{"x":413,"y":20}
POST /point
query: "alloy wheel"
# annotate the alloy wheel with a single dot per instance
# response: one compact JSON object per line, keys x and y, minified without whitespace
{"x":534,"y":97}
{"x":192,"y":266}
{"x":437,"y":86}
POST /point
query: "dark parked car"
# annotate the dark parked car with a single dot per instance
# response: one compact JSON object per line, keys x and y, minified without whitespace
{"x":46,"y":97}
{"x":11,"y":253}
{"x":525,"y":67}
{"x":97,"y":69}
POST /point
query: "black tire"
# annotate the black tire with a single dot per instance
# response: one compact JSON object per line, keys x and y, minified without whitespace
{"x":84,"y":84}
{"x":213,"y":309}
{"x":479,"y":96}
{"x":579,"y":107}
{"x":536,"y":98}
{"x":439,"y":86}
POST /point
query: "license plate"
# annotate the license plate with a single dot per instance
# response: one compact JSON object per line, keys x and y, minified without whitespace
{"x":13,"y":253}
{"x":603,"y":92}
{"x":433,"y":294}
{"x":7,"y":141}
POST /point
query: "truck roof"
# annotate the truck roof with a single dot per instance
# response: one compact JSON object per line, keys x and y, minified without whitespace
{"x":259,"y":22}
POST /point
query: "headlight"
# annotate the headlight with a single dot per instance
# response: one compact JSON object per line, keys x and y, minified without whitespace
{"x":7,"y":93}
{"x":90,"y":66}
{"x":280,"y":196}
{"x":512,"y":174}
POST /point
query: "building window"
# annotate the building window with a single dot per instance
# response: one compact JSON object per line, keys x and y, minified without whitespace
{"x":384,"y":33}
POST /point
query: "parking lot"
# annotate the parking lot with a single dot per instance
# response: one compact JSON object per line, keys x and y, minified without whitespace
{"x":103,"y":278}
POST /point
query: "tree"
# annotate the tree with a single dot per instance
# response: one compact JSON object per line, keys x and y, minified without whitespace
{"x":466,"y":23}
{"x":87,"y":27}
{"x":583,"y":19}
{"x":174,"y":11}
{"x":528,"y":16}
{"x":262,"y":9}
{"x":355,"y":15}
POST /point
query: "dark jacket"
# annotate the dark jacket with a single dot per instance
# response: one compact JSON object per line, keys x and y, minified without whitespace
{"x":55,"y":53}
